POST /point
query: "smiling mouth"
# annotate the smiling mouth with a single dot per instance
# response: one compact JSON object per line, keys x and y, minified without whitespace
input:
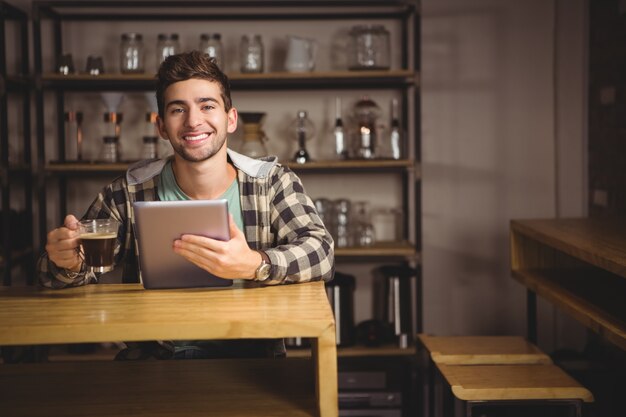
{"x":197,"y":137}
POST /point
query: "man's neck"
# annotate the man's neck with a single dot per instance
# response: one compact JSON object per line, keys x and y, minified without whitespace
{"x":206,"y":180}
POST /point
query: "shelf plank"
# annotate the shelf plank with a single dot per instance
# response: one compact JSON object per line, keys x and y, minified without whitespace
{"x":236,"y":387}
{"x":593,"y":297}
{"x":357,"y":351}
{"x":379,"y":250}
{"x":270,"y":80}
{"x":69,"y":168}
{"x":599,"y":242}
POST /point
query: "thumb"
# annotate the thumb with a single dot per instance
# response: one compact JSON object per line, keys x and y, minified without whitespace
{"x":232,"y":227}
{"x":71,"y":222}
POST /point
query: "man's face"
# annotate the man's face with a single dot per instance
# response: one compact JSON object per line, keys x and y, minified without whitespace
{"x":194,"y":120}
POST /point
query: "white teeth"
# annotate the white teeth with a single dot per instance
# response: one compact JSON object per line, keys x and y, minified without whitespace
{"x":197,"y":137}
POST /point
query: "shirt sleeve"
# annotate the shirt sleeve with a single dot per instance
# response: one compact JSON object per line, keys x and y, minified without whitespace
{"x":305,"y":248}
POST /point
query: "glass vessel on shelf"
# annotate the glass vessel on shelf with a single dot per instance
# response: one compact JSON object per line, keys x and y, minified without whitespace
{"x":369,"y":48}
{"x":253,"y":134}
{"x":251,"y":54}
{"x":304,"y":130}
{"x":364,"y":234}
{"x":211,"y":44}
{"x":366,"y":113}
{"x":167,"y":45}
{"x":132,"y":53}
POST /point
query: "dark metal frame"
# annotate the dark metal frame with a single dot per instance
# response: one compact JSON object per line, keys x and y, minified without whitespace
{"x":19,"y":85}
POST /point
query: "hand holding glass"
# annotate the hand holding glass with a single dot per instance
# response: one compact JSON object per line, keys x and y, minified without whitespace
{"x":98,"y":238}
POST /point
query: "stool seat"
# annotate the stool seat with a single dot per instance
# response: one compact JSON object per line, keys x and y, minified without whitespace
{"x":482,"y":350}
{"x":512,"y":382}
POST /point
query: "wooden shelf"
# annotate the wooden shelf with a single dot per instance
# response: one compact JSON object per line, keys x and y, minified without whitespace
{"x":357,"y":351}
{"x":76,"y":168}
{"x":236,"y":387}
{"x":579,"y":265}
{"x":591,"y":296}
{"x":379,"y":250}
{"x":264,"y":81}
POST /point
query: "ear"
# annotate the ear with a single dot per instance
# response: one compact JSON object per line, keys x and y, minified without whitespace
{"x":161,"y":127}
{"x":232,"y":120}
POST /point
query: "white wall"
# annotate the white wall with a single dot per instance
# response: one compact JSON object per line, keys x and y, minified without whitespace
{"x":491,"y":83}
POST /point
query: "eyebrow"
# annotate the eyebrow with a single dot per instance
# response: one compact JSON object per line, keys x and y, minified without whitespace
{"x":198,"y":100}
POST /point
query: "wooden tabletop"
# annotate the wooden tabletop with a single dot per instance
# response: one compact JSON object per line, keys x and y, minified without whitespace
{"x":127,"y":312}
{"x":512,"y":382}
{"x":482,"y":350}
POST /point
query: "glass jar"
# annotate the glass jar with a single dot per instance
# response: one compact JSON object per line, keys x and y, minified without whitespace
{"x":110,"y":149}
{"x":364,"y":234}
{"x":251,"y":56}
{"x":369,"y":48}
{"x":211,"y":44}
{"x":132,"y":53}
{"x":166,"y":45}
{"x":342,"y":208}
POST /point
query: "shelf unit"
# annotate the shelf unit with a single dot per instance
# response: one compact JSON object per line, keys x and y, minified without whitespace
{"x":15,"y":170}
{"x":579,"y":265}
{"x":404,"y":79}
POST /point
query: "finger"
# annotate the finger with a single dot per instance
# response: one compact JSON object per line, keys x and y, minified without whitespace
{"x":71,"y":222}
{"x":201,"y":241}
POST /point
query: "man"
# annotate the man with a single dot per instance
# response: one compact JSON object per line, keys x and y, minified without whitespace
{"x":276,"y":234}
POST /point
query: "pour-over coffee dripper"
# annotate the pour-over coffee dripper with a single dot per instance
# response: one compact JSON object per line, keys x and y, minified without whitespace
{"x":253,"y":134}
{"x":112,"y":116}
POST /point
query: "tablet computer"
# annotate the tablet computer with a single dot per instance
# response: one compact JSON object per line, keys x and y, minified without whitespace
{"x":159,"y":223}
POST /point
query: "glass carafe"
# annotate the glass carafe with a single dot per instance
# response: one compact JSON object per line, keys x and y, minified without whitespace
{"x":254,"y":136}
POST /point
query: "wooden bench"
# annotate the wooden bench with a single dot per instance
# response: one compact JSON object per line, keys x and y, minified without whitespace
{"x":522,"y":389}
{"x":467,"y":350}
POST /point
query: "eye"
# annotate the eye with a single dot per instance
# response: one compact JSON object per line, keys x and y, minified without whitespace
{"x":177,"y":110}
{"x":208,"y":107}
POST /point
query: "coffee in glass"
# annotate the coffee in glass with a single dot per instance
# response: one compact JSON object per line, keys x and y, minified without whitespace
{"x":98,"y":239}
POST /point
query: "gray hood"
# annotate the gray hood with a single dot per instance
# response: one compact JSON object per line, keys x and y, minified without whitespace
{"x":145,"y":170}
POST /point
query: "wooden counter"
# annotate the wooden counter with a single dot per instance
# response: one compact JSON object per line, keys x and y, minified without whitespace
{"x":579,"y":265}
{"x":127,"y":312}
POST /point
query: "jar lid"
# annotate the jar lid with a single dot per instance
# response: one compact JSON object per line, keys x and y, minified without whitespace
{"x":205,"y":36}
{"x":174,"y":36}
{"x":131,"y":36}
{"x":162,"y":36}
{"x":110,"y":139}
{"x":217,"y":36}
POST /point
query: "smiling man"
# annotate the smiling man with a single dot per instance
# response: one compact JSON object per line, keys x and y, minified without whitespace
{"x":276,"y":234}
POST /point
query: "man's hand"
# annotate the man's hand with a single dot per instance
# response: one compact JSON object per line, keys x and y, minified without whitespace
{"x":63,"y":245}
{"x":233,"y":259}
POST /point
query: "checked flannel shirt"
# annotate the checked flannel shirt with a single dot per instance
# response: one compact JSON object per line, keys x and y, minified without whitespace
{"x":279,"y":218}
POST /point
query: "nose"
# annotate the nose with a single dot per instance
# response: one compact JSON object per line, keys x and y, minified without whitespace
{"x":194,"y":117}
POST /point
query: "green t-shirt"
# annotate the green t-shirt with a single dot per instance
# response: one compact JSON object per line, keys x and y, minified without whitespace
{"x":169,"y":190}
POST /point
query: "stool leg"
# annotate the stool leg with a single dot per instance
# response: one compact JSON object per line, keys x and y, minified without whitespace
{"x":531,"y":316}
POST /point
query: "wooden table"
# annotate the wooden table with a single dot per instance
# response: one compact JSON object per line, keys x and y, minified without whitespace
{"x":127,"y":312}
{"x":579,"y":265}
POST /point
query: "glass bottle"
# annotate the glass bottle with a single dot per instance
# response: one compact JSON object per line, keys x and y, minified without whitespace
{"x":149,"y":150}
{"x":395,"y":136}
{"x":251,"y":57}
{"x":211,"y":44}
{"x":166,"y":45}
{"x":110,"y":150}
{"x":341,"y":148}
{"x":342,"y":223}
{"x":304,"y":130}
{"x":132,"y":53}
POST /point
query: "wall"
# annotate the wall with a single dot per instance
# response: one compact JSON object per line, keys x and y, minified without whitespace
{"x":492,"y":84}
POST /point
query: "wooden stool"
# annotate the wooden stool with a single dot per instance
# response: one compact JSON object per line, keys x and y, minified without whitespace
{"x":482,"y":389}
{"x":468,"y":350}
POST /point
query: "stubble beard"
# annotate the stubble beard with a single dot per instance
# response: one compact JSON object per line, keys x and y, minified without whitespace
{"x":207,"y":153}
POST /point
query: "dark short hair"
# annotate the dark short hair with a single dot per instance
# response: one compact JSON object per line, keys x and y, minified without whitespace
{"x":188,"y":65}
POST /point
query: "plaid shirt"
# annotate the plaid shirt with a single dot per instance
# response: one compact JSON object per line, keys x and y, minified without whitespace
{"x":279,"y":218}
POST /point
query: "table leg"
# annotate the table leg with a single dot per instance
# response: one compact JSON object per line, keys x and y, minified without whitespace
{"x":324,"y":350}
{"x":531,"y":316}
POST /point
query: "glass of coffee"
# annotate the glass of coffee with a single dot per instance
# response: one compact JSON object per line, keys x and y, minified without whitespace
{"x":98,"y":238}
